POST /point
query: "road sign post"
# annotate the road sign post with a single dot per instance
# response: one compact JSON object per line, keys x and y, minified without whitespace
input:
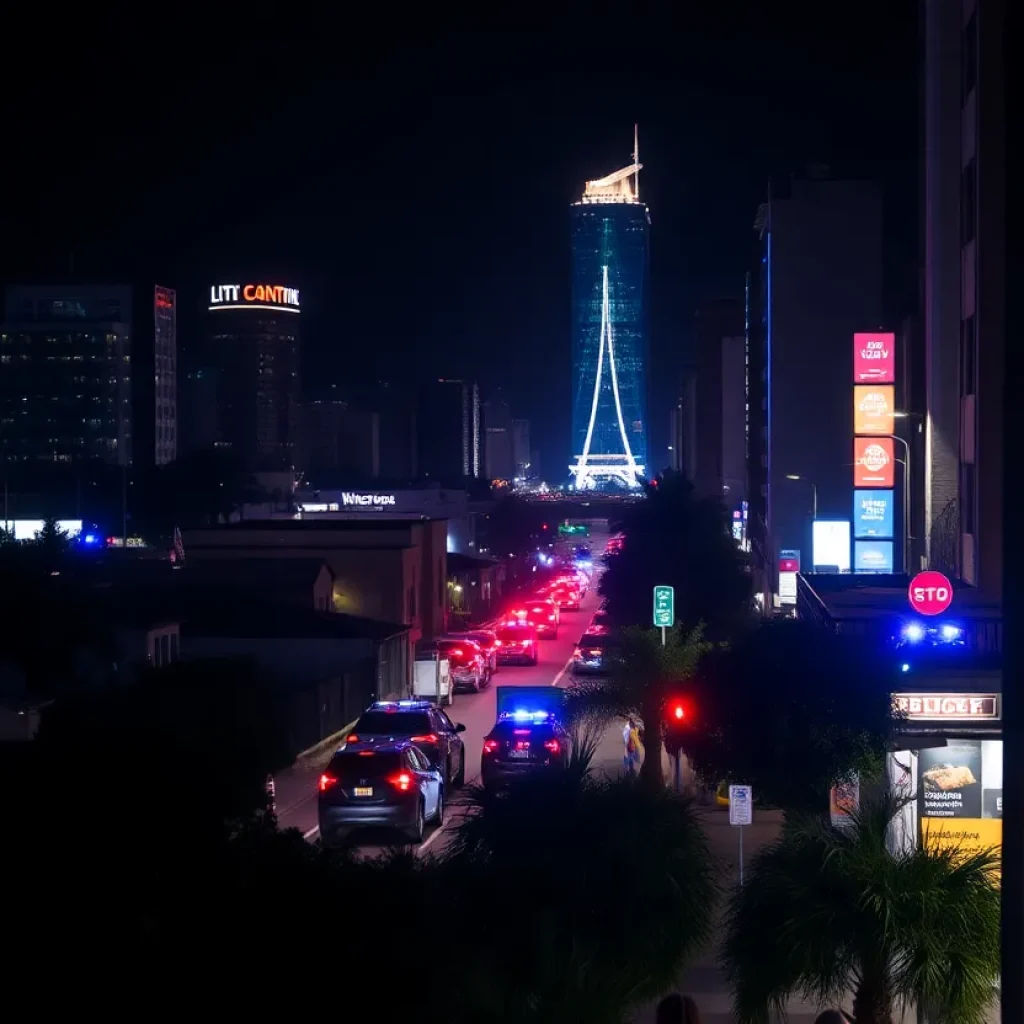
{"x":664,"y":609}
{"x":741,"y":813}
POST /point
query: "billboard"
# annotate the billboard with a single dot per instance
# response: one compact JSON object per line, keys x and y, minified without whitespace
{"x":872,"y":556}
{"x":276,"y":297}
{"x":874,"y":358}
{"x":872,"y":514}
{"x":874,"y":409}
{"x":873,"y":462}
{"x":831,"y":545}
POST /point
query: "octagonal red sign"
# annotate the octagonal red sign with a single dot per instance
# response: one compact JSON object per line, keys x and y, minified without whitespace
{"x":930,"y":593}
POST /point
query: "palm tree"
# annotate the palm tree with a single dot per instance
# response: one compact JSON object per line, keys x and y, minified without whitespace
{"x":595,"y":894}
{"x":644,"y":676}
{"x":679,"y":539}
{"x":827,"y":911}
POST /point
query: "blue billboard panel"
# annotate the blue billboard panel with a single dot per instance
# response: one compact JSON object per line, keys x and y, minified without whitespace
{"x":872,"y":556}
{"x":873,"y":514}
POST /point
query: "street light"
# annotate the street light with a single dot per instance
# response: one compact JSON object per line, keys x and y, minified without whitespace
{"x":813,"y":487}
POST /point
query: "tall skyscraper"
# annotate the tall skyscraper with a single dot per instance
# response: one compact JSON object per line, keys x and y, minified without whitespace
{"x":448,"y":428}
{"x":66,"y":375}
{"x":610,"y":232}
{"x":254,"y":347}
{"x":498,"y":464}
{"x":522,"y":461}
{"x":161,"y":380}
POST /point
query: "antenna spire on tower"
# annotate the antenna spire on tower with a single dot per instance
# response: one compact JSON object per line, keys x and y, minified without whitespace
{"x":636,"y":161}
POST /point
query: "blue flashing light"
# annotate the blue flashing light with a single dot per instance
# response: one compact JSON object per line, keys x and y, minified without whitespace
{"x":905,"y":667}
{"x":950,"y":632}
{"x":913,"y":633}
{"x":89,"y":538}
{"x":522,"y":715}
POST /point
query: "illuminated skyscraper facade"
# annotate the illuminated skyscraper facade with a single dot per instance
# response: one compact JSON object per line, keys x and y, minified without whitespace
{"x":610,"y":230}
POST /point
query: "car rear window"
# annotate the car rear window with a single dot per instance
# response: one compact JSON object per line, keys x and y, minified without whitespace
{"x":394,"y":723}
{"x":510,"y":730}
{"x":350,"y":767}
{"x":595,"y":640}
{"x":514,"y":635}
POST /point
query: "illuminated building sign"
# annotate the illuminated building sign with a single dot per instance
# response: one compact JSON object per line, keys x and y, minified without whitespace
{"x":946,"y":707}
{"x":348,"y":498}
{"x":254,"y":296}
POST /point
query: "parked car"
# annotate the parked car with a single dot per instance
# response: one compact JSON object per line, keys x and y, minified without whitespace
{"x":467,"y":661}
{"x":487,"y":641}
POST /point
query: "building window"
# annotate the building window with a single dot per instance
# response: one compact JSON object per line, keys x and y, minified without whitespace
{"x":968,"y":356}
{"x":968,"y":498}
{"x":968,"y":58}
{"x":968,"y":201}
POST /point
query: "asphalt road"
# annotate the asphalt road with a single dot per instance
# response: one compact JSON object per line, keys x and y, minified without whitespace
{"x":478,"y":711}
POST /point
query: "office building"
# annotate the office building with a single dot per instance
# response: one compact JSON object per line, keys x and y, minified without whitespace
{"x":719,"y":449}
{"x":66,"y":375}
{"x":156,"y":377}
{"x":610,"y":228}
{"x":522,"y":458}
{"x":964,"y":290}
{"x":498,"y":463}
{"x":253,"y":347}
{"x":338,"y":443}
{"x":820,"y":282}
{"x":448,"y":431}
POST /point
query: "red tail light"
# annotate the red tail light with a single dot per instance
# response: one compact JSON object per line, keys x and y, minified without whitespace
{"x":527,"y":643}
{"x":490,"y":746}
{"x":497,"y":643}
{"x":430,"y":738}
{"x":456,"y":652}
{"x":352,"y":738}
{"x":326,"y":781}
{"x":401,"y":780}
{"x":551,"y":617}
{"x":553,"y":745}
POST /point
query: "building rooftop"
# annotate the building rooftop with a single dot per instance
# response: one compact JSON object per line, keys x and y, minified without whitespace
{"x":464,"y":563}
{"x":275,"y":572}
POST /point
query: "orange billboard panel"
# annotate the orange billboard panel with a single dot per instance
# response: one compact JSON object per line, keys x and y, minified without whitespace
{"x":874,"y":409}
{"x":873,"y":462}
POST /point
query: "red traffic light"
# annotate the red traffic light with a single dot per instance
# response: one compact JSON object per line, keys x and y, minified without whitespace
{"x":678,"y":712}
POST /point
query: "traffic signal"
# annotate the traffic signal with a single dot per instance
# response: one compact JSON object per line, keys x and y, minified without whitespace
{"x":678,"y":719}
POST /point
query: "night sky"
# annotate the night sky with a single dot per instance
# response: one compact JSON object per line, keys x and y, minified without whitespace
{"x":415,"y":187}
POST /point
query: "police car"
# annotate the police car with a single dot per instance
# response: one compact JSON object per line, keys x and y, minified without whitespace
{"x":422,"y":724}
{"x":526,"y":740}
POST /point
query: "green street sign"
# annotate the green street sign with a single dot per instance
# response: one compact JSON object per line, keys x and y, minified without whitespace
{"x":664,"y":607}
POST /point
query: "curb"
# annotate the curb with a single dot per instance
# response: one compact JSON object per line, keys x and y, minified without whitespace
{"x":325,"y":744}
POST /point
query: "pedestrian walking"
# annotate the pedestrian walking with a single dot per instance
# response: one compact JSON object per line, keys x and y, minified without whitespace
{"x":677,"y":1009}
{"x":634,"y":751}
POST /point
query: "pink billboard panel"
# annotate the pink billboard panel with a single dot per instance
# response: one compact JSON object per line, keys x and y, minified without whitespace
{"x":874,"y":359}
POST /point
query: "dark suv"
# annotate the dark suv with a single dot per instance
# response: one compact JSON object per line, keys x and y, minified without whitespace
{"x":422,"y":724}
{"x":512,"y":749}
{"x":388,"y":786}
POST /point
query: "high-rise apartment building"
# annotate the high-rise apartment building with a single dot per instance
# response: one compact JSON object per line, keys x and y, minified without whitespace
{"x":522,"y":457}
{"x":498,"y":462}
{"x":820,"y":282}
{"x":338,"y":444}
{"x":66,"y":375}
{"x":448,"y":430}
{"x":964,"y":289}
{"x":253,"y":345}
{"x":610,"y":344}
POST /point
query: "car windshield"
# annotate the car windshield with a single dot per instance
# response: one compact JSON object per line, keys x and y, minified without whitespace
{"x":394,"y":723}
{"x":349,"y":768}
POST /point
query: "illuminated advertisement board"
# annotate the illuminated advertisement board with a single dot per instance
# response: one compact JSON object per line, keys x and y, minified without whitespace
{"x":874,"y":408}
{"x":872,"y":556}
{"x":276,"y":297}
{"x":831,"y":545}
{"x":872,"y":514}
{"x":873,"y":462}
{"x":874,"y":358}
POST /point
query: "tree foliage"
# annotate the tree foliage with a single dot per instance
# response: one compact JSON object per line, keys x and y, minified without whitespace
{"x":679,"y":539}
{"x":789,"y":709}
{"x":599,"y":891}
{"x":830,"y":911}
{"x":643,"y":676}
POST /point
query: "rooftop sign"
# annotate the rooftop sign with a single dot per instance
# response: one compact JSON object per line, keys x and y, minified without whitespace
{"x":254,"y":296}
{"x":948,"y":707}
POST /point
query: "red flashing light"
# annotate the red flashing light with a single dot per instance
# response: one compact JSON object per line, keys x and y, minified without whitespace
{"x":326,"y":781}
{"x":490,"y":746}
{"x":553,"y":745}
{"x":429,"y":738}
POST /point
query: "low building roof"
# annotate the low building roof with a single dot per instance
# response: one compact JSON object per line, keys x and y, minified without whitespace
{"x":463,"y":563}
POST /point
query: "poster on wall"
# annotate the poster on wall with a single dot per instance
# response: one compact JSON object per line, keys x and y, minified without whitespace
{"x":960,"y":795}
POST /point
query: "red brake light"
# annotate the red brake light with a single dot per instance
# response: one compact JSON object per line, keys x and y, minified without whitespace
{"x":401,"y":780}
{"x":553,"y":745}
{"x":490,"y":746}
{"x":352,"y":738}
{"x":366,"y":753}
{"x":456,"y":652}
{"x":527,"y":643}
{"x":429,"y":738}
{"x":326,"y":781}
{"x":551,"y":617}
{"x":497,"y":643}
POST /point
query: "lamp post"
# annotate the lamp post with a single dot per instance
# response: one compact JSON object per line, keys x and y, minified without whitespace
{"x":814,"y":491}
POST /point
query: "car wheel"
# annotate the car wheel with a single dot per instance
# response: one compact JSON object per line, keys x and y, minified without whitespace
{"x":418,"y":825}
{"x":439,"y":813}
{"x":460,"y":778}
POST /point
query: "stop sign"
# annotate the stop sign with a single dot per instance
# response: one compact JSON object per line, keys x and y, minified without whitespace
{"x":930,"y":593}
